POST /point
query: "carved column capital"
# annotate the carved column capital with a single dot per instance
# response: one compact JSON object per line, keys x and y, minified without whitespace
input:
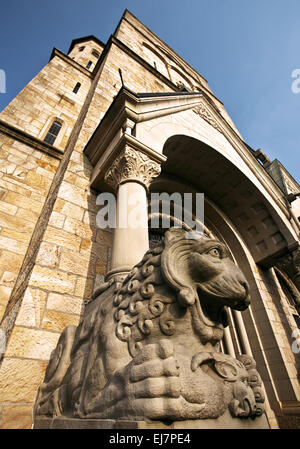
{"x":132,"y":165}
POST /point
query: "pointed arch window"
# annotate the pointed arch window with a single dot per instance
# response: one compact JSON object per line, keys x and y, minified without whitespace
{"x":53,"y":132}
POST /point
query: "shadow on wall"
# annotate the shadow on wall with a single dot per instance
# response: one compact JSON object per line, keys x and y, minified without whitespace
{"x":99,"y":245}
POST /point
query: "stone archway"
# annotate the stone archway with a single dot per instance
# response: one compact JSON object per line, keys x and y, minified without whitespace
{"x":266,"y":236}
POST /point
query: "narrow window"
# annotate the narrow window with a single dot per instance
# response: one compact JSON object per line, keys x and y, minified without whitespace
{"x":81,"y":48}
{"x":155,"y":66}
{"x":53,"y":132}
{"x":96,"y":54}
{"x":89,"y":64}
{"x":76,"y":88}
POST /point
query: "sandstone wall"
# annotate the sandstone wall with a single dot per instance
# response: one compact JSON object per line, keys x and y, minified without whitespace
{"x":74,"y":255}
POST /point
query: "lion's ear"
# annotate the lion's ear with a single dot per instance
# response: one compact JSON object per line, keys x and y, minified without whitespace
{"x":226,"y":370}
{"x":175,"y":265}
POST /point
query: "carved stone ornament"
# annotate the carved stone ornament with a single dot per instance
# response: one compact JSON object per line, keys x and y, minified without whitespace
{"x":149,"y":348}
{"x":207,"y":116}
{"x":132,"y":165}
{"x":290,"y":264}
{"x":292,"y":186}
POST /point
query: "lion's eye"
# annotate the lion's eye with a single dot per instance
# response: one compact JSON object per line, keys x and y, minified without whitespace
{"x":215,"y":252}
{"x":245,"y":380}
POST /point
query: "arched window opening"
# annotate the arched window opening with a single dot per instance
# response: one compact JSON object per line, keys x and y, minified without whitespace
{"x":53,"y":132}
{"x":89,"y":64}
{"x":155,"y":59}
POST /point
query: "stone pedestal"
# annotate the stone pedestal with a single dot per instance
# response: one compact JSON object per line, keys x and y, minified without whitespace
{"x":223,"y":422}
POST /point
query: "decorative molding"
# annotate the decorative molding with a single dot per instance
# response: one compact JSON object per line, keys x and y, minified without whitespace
{"x":292,"y":186}
{"x":132,"y":165}
{"x":29,"y":140}
{"x":204,"y":113}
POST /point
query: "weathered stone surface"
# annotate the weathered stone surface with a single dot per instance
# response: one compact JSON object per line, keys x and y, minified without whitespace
{"x":52,"y":280}
{"x":149,"y":348}
{"x":73,"y":194}
{"x":36,"y":179}
{"x":57,"y":321}
{"x":8,"y":279}
{"x":16,"y":235}
{"x":62,"y":238}
{"x":31,"y":343}
{"x":25,"y":203}
{"x":32,"y":308}
{"x":64,"y":303}
{"x":19,"y":379}
{"x":78,"y":228}
{"x":4,"y":294}
{"x":68,"y":209}
{"x":15,"y":223}
{"x":224,"y":422}
{"x":17,"y":417}
{"x":57,"y":220}
{"x":8,"y":208}
{"x":84,"y":287}
{"x":48,"y":255}
{"x":12,"y":245}
{"x":10,"y":261}
{"x":74,"y":263}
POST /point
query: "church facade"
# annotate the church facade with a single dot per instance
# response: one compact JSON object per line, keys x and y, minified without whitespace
{"x":130,"y":118}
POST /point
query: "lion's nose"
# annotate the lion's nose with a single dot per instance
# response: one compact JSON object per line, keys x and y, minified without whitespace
{"x":243,"y":305}
{"x":246,"y":286}
{"x":242,"y":281}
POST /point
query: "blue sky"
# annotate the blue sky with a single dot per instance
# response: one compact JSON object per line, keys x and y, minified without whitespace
{"x":245,"y":49}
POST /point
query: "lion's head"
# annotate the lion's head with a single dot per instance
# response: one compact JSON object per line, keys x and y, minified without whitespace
{"x":199,"y":275}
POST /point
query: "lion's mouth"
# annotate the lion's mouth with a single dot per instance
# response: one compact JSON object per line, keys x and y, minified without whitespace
{"x":213,"y":315}
{"x":213,"y":301}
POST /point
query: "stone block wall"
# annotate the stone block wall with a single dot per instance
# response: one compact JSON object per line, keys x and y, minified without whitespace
{"x":25,"y":177}
{"x":158,"y":54}
{"x":83,"y":53}
{"x":48,"y":96}
{"x":74,"y":255}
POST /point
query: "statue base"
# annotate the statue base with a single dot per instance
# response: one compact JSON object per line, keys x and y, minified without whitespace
{"x":223,"y":422}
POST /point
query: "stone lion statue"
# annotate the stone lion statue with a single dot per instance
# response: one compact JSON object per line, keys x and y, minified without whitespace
{"x":149,"y":347}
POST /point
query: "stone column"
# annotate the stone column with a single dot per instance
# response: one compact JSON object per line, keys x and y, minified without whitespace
{"x":244,"y":342}
{"x":130,"y":175}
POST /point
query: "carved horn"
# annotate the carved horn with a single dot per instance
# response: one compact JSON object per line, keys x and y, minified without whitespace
{"x":174,"y":265}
